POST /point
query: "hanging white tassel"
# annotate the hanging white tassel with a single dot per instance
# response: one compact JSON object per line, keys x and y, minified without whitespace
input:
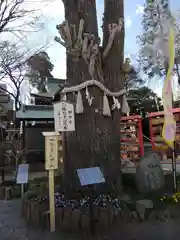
{"x":79,"y":104}
{"x":88,"y":97}
{"x":21,"y":128}
{"x":125,"y":105}
{"x":116,"y":104}
{"x":106,"y":107}
{"x":64,"y":98}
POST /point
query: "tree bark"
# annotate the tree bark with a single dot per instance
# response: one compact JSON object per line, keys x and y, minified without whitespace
{"x":114,"y":78}
{"x":16,"y":101}
{"x":96,"y":140}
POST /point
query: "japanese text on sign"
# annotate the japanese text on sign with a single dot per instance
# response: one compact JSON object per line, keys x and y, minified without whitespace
{"x":64,"y":117}
{"x":51,"y":153}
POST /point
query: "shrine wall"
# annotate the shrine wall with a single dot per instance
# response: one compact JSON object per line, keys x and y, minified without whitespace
{"x":35,"y":142}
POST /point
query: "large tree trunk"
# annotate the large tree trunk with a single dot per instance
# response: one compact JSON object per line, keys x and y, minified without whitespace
{"x":96,"y":140}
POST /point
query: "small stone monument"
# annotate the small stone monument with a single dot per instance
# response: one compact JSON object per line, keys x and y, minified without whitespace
{"x":149,"y":175}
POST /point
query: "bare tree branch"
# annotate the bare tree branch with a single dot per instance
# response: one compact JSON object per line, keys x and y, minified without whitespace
{"x":15,"y":18}
{"x":12,"y":69}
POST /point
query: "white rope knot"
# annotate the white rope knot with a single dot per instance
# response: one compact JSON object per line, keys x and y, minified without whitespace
{"x":73,"y":44}
{"x":113,"y":29}
{"x":90,"y":51}
{"x":94,"y":54}
{"x":64,"y":32}
{"x":79,"y":40}
{"x":85,"y":50}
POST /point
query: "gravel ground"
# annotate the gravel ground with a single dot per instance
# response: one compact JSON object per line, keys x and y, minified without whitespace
{"x":13,"y":227}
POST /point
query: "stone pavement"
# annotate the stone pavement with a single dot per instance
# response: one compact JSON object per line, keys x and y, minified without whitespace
{"x":13,"y":227}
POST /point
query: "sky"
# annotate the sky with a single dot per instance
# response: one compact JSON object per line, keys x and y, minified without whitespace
{"x":133,"y":10}
{"x":53,"y":14}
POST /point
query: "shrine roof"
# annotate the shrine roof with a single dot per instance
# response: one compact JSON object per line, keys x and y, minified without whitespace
{"x":35,"y":112}
{"x":54,"y":84}
{"x":43,"y":95}
{"x":56,"y":80}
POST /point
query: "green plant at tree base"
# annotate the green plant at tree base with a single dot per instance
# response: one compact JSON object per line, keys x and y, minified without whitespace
{"x":174,"y":198}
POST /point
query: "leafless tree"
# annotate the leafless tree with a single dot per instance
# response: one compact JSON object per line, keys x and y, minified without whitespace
{"x":14,"y":152}
{"x":16,"y":19}
{"x":13,"y":69}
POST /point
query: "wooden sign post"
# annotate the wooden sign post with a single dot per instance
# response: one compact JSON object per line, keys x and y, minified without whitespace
{"x":51,"y":164}
{"x":64,"y":121}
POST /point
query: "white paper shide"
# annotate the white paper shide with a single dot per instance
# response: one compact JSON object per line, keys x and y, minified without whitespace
{"x":64,"y":117}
